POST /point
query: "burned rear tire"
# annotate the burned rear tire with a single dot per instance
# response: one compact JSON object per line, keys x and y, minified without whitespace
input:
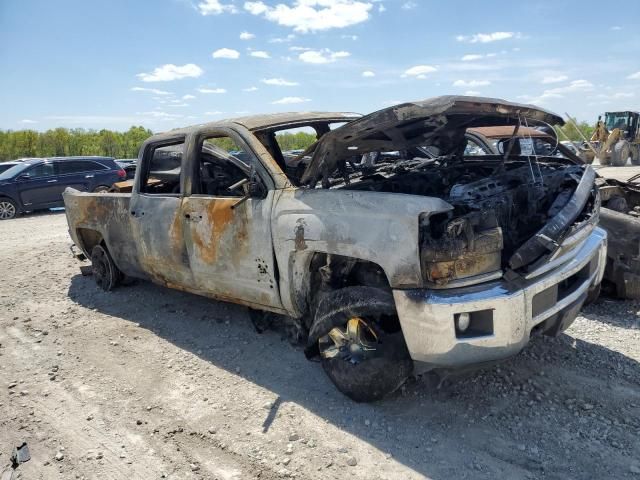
{"x":105,"y":272}
{"x":361,"y":347}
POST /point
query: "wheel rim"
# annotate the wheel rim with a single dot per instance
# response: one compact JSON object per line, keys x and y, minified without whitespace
{"x":100,"y":270}
{"x":353,"y":343}
{"x":7,"y":210}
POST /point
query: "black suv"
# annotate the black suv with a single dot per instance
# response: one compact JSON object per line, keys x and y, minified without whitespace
{"x":38,"y":183}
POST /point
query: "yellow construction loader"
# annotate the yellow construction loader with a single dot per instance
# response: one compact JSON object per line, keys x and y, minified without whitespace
{"x":616,"y":140}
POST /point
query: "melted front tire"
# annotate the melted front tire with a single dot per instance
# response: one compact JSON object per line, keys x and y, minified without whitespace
{"x":374,"y":377}
{"x":364,"y":361}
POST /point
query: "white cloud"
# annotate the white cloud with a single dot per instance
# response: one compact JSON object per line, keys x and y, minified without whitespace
{"x":217,"y":112}
{"x":368,"y":74}
{"x":150,"y":90}
{"x":188,"y":97}
{"x":409,"y":5}
{"x":382,"y":8}
{"x":559,"y":92}
{"x":350,"y":37}
{"x":212,"y":90}
{"x":178,"y":105}
{"x":616,"y":28}
{"x":290,"y":100}
{"x":169,"y":72}
{"x":279,"y":82}
{"x":634,"y":76}
{"x":322,"y":56}
{"x":247,"y":36}
{"x":160,"y":114}
{"x":555,"y":79}
{"x":260,"y":54}
{"x":419,"y":71}
{"x":250,"y":89}
{"x":226,"y":53}
{"x":487,"y":37}
{"x":472,"y":93}
{"x":313,"y":15}
{"x":28,"y":120}
{"x":286,"y":39}
{"x":471,"y":83}
{"x":215,"y":7}
{"x":471,"y":57}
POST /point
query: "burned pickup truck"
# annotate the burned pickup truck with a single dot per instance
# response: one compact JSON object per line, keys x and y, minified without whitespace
{"x":391,"y":250}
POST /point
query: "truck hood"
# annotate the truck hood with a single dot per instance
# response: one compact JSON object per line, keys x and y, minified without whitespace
{"x":439,"y":122}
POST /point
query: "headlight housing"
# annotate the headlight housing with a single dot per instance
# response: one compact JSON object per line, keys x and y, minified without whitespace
{"x":459,"y":248}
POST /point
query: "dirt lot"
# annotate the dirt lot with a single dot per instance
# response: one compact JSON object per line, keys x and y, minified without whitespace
{"x":146,"y":383}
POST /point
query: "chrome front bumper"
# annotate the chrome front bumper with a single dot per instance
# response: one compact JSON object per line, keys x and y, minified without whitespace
{"x":502,"y":315}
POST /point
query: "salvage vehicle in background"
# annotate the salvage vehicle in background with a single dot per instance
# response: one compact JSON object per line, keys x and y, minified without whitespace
{"x":619,"y":215}
{"x":38,"y":183}
{"x":387,"y":264}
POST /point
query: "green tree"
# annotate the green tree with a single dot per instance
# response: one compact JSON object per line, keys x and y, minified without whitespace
{"x":78,"y":141}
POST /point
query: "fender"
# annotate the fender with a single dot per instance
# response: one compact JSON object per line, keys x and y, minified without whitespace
{"x":382,"y":228}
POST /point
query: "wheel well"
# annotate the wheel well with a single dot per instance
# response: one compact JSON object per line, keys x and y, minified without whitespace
{"x":331,"y":272}
{"x":15,"y":202}
{"x":89,"y":238}
{"x":328,"y":273}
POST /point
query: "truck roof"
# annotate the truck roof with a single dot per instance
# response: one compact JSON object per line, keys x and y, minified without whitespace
{"x":271,"y":121}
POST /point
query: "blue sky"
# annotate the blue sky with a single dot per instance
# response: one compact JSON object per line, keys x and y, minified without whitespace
{"x":170,"y":63}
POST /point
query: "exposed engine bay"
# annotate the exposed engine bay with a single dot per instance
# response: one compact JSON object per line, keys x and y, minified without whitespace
{"x":497,"y":206}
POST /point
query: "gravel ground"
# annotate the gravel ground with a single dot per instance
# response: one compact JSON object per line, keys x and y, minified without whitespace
{"x":145,"y":383}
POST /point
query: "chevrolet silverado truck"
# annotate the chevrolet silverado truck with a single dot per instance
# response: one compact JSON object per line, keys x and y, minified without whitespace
{"x":390,"y":249}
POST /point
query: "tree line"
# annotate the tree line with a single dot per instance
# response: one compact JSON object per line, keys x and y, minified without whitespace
{"x":62,"y":142}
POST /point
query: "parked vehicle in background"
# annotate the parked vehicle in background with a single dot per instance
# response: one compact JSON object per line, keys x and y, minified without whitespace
{"x":385,"y":257}
{"x":38,"y":183}
{"x":129,"y":166}
{"x":4,"y":166}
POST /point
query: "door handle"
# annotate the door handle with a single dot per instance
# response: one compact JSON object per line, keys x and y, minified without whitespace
{"x":52,"y":181}
{"x":88,"y":176}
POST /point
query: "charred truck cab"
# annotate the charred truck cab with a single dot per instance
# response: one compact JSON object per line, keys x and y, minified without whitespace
{"x":391,"y":248}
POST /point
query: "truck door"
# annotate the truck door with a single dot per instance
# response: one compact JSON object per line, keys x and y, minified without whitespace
{"x":227,"y":232}
{"x":155,"y":211}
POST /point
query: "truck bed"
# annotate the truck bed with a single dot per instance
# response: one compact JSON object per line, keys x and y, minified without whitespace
{"x":108,"y":215}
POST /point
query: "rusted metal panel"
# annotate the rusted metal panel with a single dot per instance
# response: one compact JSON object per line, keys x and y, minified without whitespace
{"x":352,"y":224}
{"x":108,"y":214}
{"x":507,"y":131}
{"x":157,"y":228}
{"x":230,"y":249}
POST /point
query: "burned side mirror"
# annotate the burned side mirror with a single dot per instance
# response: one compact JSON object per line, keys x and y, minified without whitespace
{"x":255,"y":189}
